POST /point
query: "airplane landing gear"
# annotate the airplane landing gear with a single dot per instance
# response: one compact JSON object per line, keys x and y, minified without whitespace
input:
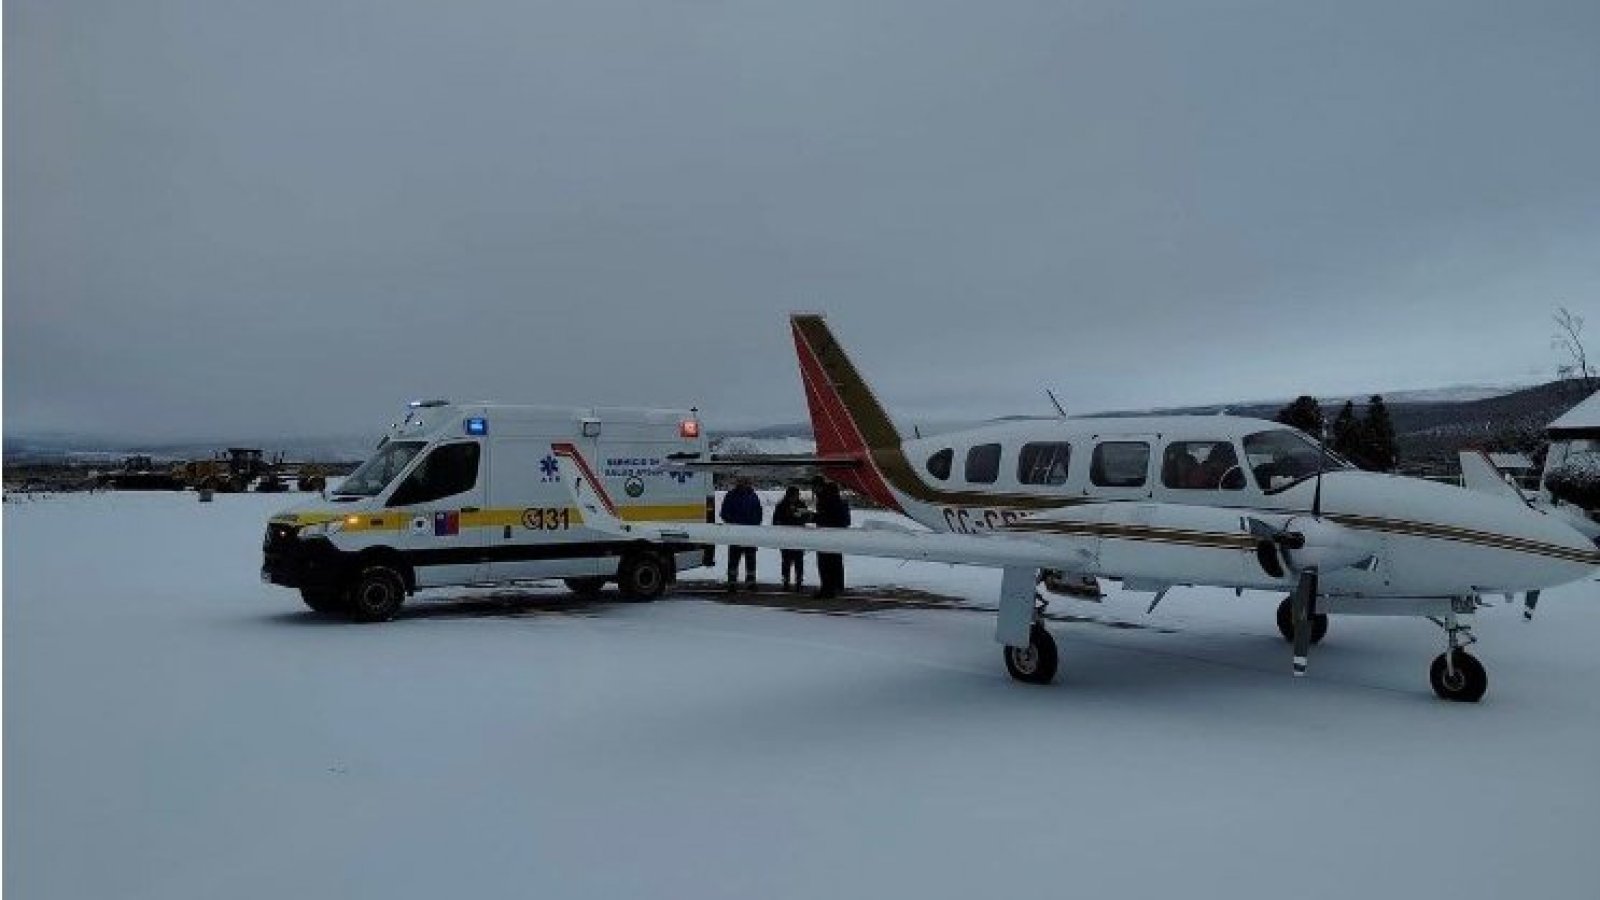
{"x":1035,"y":663}
{"x":1319,"y":623}
{"x":1456,"y":674}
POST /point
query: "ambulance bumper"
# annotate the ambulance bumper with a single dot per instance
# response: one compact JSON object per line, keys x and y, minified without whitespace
{"x":309,"y":563}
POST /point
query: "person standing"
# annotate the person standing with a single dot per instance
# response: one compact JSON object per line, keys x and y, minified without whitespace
{"x":792,"y":511}
{"x":741,"y":506}
{"x":832,"y":512}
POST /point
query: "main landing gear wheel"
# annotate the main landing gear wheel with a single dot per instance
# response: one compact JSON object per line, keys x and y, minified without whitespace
{"x":1319,"y":623}
{"x":1035,"y":663}
{"x":376,"y":595}
{"x":1462,"y":679}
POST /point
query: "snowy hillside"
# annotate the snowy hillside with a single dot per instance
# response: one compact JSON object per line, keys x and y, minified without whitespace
{"x":176,"y":729}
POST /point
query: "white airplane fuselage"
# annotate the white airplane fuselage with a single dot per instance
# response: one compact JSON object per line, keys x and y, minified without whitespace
{"x":1422,"y":538}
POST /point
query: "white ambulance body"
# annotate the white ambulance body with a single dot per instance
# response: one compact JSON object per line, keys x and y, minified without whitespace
{"x":470,"y":493}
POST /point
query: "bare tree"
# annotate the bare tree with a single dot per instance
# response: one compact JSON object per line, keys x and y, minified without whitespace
{"x":1569,"y":339}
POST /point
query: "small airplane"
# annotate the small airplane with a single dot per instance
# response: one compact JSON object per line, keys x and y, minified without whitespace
{"x":1156,"y":503}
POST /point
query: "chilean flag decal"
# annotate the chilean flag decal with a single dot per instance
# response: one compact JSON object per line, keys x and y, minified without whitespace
{"x":446,"y":524}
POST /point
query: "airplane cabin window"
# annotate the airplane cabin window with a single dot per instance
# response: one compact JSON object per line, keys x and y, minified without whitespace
{"x":1120,"y":464}
{"x":1202,"y":466}
{"x":939,"y":463}
{"x":1043,"y":463}
{"x":983,"y":464}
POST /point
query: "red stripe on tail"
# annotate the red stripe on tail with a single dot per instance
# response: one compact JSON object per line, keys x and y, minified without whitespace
{"x":837,"y":433}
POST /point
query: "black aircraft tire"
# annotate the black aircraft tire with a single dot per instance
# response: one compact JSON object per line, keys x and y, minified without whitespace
{"x":1319,"y":623}
{"x":642,"y":576}
{"x":322,"y":600}
{"x":376,"y":595}
{"x":1468,"y":685}
{"x":586,"y":588}
{"x":1035,"y":664}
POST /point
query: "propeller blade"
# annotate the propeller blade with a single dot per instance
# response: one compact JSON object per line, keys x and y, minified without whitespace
{"x":1301,"y":608}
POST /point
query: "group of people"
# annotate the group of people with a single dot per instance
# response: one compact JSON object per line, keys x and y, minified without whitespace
{"x":741,"y":506}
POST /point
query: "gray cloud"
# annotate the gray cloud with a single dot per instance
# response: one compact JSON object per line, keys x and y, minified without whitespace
{"x":290,"y":217}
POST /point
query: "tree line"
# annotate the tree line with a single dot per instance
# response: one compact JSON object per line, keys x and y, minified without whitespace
{"x":1368,"y":441}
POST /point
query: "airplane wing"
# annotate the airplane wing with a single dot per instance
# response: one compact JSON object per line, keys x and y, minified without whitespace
{"x":990,"y":550}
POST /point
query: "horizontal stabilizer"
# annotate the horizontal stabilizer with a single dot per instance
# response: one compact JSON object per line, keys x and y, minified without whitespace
{"x":769,"y":464}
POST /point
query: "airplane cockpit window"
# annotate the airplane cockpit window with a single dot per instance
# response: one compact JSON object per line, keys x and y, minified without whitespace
{"x":1043,"y":463}
{"x":939,"y":463}
{"x":1283,"y":457}
{"x":1120,"y":464}
{"x":983,"y":464}
{"x":1202,"y":466}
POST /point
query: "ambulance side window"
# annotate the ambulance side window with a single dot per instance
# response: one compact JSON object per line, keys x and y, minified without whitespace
{"x":450,"y":469}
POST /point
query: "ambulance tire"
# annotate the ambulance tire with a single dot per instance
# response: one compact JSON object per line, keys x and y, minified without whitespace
{"x":376,"y":594}
{"x":322,"y":600}
{"x":585,"y":588}
{"x":642,"y":576}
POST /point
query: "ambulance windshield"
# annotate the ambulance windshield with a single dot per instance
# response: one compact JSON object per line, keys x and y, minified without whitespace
{"x":375,"y":474}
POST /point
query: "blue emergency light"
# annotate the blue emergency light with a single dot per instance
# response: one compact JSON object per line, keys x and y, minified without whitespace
{"x":476,"y":425}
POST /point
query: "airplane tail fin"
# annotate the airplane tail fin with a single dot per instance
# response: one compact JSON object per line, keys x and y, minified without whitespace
{"x":1479,"y":474}
{"x":847,"y":419}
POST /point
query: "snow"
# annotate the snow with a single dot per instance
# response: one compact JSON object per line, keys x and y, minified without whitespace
{"x":175,"y":729}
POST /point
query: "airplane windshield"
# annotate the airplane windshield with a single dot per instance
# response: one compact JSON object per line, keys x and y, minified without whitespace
{"x":1283,"y":458}
{"x":375,"y":474}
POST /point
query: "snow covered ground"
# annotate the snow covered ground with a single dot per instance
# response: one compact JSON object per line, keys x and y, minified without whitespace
{"x":176,"y":729}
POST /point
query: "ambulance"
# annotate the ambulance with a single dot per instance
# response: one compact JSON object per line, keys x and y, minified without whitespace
{"x":470,"y":493}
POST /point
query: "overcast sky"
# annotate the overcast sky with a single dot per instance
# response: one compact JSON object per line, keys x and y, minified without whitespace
{"x":290,"y":217}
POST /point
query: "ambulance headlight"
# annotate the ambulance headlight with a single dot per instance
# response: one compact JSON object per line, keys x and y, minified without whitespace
{"x":322,"y":529}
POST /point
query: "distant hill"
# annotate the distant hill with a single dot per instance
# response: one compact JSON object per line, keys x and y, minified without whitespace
{"x":1431,"y":425}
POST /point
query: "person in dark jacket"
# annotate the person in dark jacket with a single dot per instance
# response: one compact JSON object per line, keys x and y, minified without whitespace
{"x":832,"y":512}
{"x":792,"y":511}
{"x":741,"y":506}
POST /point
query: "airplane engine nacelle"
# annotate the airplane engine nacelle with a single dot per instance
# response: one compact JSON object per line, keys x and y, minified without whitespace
{"x":1327,"y":546}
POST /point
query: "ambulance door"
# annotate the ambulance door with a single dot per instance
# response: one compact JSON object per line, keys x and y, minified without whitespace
{"x":443,"y":498}
{"x":537,"y":532}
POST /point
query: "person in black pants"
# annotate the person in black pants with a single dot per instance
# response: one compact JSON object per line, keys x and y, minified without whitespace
{"x":792,"y":511}
{"x":741,"y":506}
{"x":832,"y":512}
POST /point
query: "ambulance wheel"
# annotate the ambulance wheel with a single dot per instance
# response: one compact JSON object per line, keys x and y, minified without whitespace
{"x":642,"y":576}
{"x":376,"y":595}
{"x":587,"y":588}
{"x":322,"y":600}
{"x":1035,"y":663}
{"x":1319,"y":623}
{"x":1466,"y":685}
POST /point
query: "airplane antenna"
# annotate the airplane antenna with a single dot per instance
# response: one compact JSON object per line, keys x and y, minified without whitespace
{"x":1322,"y":456}
{"x":1060,"y":410}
